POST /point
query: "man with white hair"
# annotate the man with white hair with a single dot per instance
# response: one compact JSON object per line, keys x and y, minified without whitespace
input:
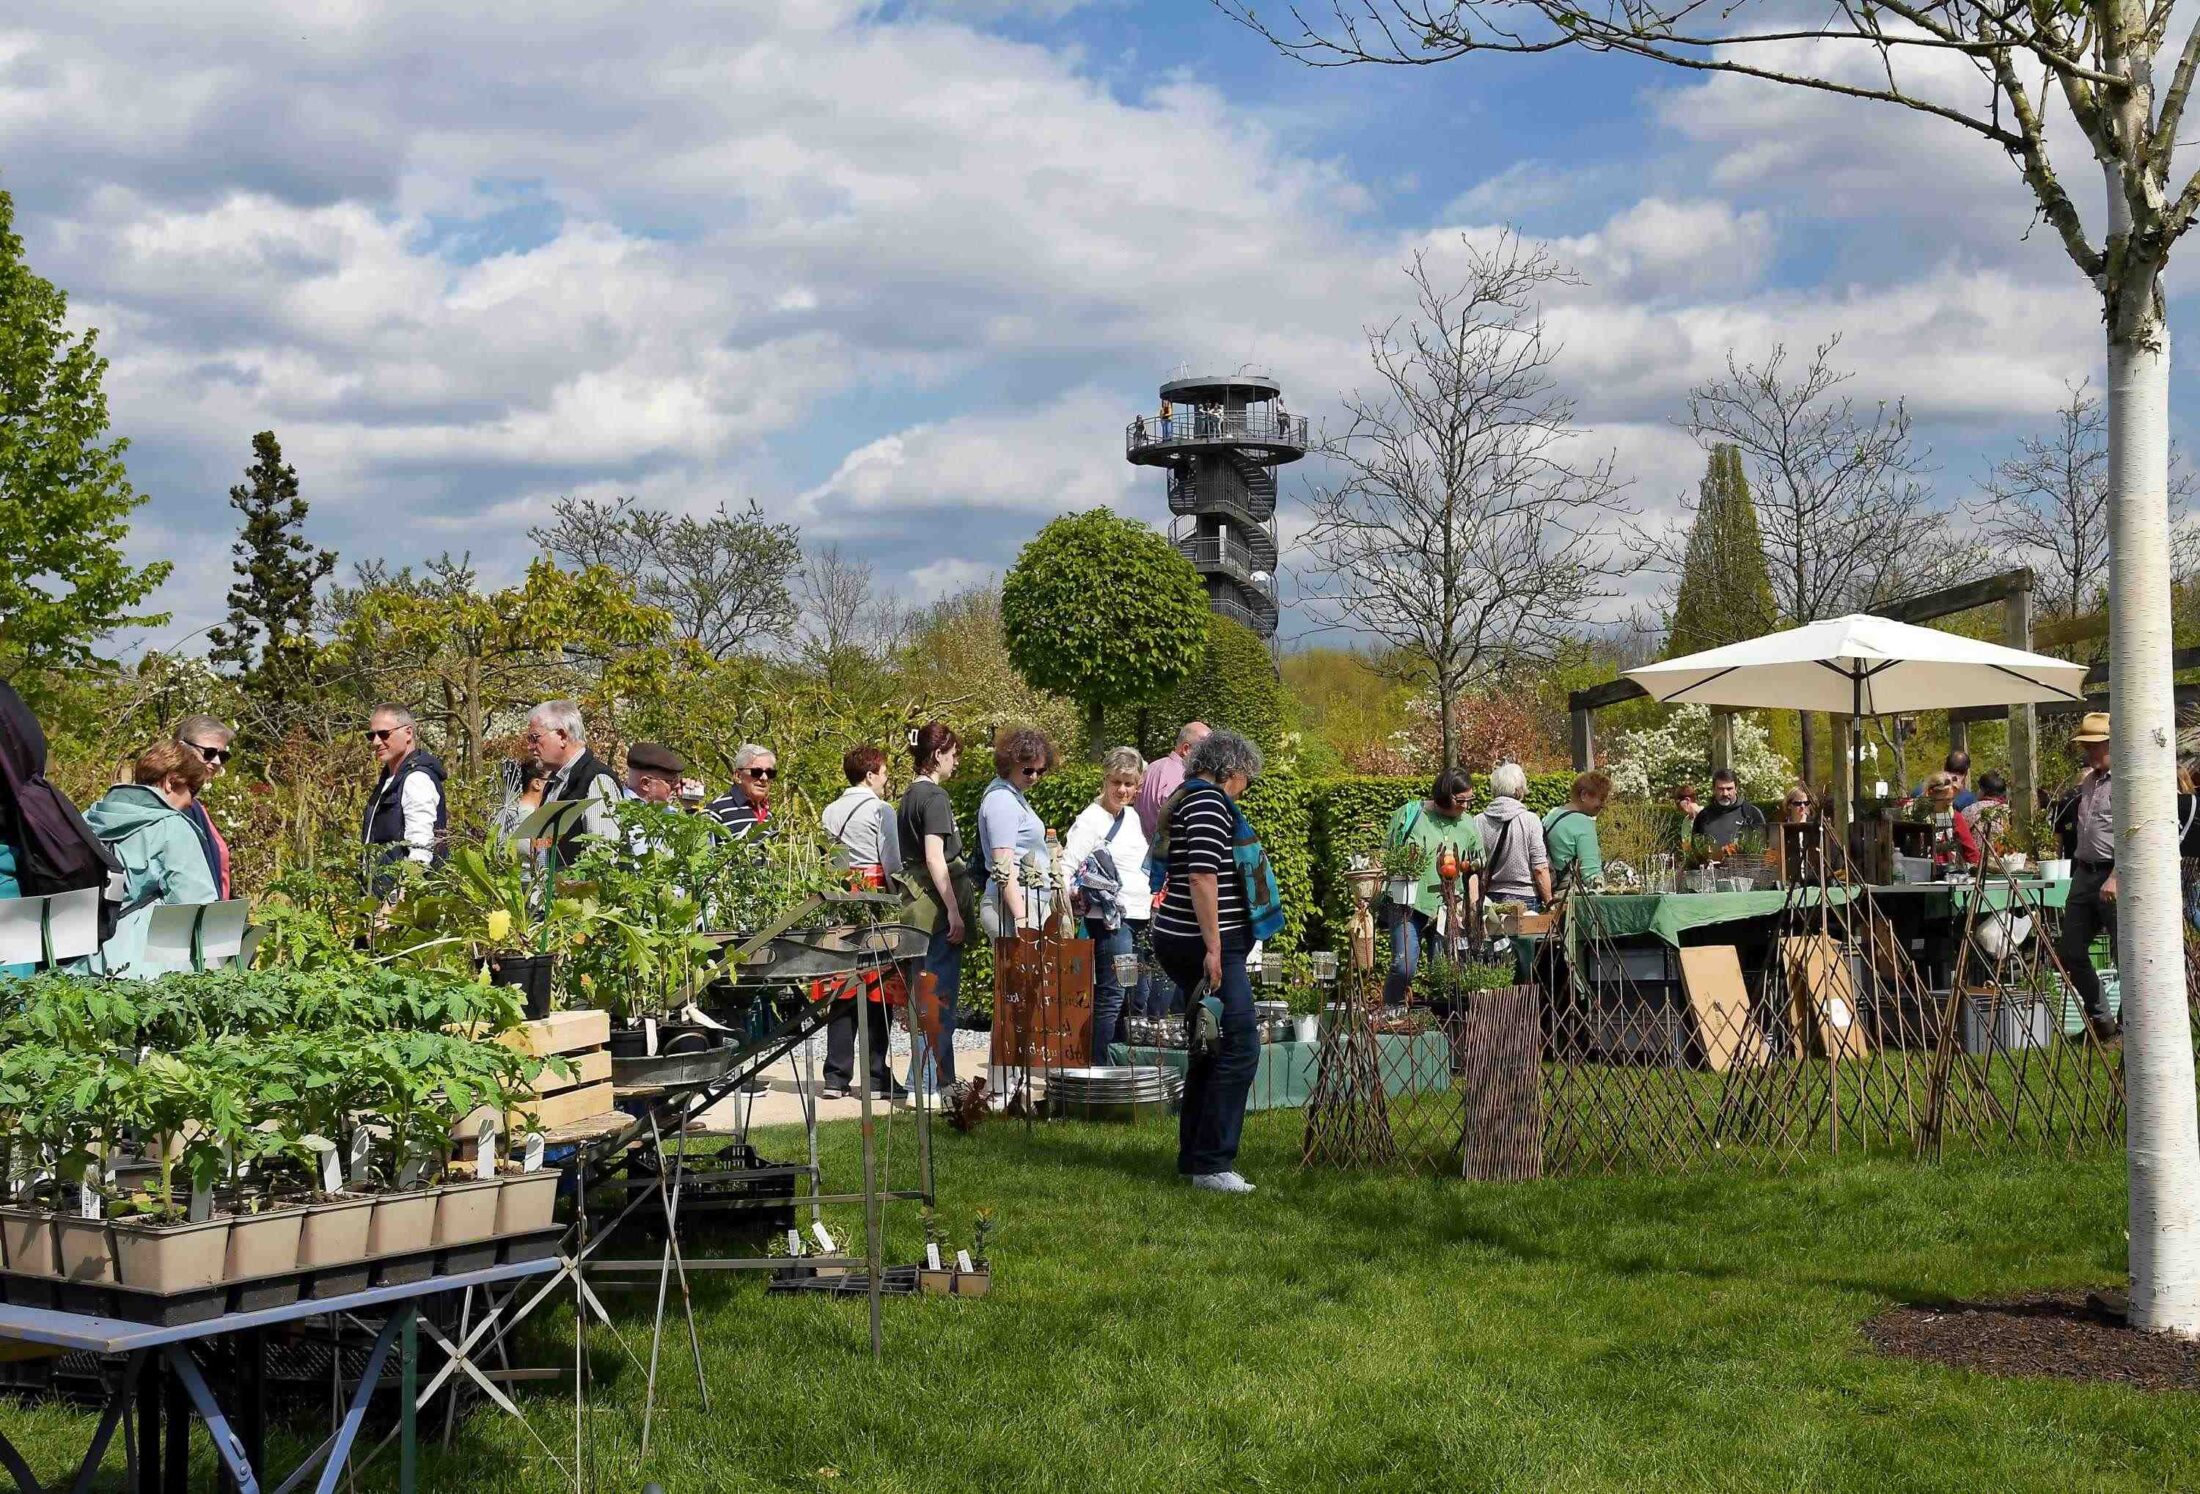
{"x":747,"y":803}
{"x":1163,"y":777}
{"x":1519,"y":865}
{"x":557,"y":737}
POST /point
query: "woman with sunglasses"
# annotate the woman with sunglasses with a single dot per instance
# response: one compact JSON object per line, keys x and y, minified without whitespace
{"x":209,"y":738}
{"x":1010,"y":831}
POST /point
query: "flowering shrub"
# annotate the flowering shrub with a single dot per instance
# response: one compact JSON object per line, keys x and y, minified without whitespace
{"x":1653,"y":761}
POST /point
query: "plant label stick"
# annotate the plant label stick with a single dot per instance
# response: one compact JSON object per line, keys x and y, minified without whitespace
{"x":88,"y":1203}
{"x":794,"y":1242}
{"x":362,"y":1147}
{"x":202,"y":1204}
{"x":931,"y":1255}
{"x":962,"y":1261}
{"x":533,"y":1152}
{"x":824,"y":1236}
{"x":485,"y":1148}
{"x":649,"y":1036}
{"x":332,"y":1172}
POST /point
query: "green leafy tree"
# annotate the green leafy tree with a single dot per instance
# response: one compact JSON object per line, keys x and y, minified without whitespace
{"x":1725,"y":591}
{"x":1235,"y":686}
{"x":65,"y":500}
{"x":268,"y":640}
{"x":1105,"y":611}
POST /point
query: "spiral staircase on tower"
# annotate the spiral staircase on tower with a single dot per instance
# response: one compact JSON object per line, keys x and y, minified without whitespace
{"x":1220,"y":439}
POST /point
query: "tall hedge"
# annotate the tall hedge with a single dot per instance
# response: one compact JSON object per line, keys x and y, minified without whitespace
{"x":1235,"y":685}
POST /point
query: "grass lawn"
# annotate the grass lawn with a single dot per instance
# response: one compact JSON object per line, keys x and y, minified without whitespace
{"x":1376,"y":1332}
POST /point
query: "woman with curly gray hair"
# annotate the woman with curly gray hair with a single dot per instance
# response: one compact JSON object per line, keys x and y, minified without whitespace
{"x":1203,"y":929}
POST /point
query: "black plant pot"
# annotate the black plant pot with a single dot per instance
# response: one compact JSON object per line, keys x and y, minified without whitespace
{"x":531,"y":974}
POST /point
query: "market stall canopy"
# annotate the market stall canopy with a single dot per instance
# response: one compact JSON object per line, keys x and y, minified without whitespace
{"x":1864,"y":666}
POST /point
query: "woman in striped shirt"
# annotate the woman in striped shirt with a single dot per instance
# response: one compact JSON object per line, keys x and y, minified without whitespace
{"x":1201,"y":935}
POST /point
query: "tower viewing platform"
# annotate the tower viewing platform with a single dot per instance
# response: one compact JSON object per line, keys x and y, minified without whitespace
{"x":1220,"y":438}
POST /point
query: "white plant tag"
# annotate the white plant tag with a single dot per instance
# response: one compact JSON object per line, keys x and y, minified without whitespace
{"x":824,"y":1236}
{"x":90,"y":1205}
{"x":202,"y":1205}
{"x":362,"y":1150}
{"x":931,"y":1256}
{"x":332,"y":1172}
{"x":533,"y":1153}
{"x":649,"y":1036}
{"x":409,"y":1171}
{"x":485,"y":1149}
{"x":794,"y":1242}
{"x":962,"y":1261}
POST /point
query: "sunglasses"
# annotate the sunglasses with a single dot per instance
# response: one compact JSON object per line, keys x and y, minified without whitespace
{"x":764,"y":773}
{"x":215,"y":756}
{"x":383,"y":733}
{"x":1798,"y":803}
{"x":1028,"y":771}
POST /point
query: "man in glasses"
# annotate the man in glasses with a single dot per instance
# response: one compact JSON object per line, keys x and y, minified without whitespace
{"x":407,"y":818}
{"x":747,"y":804}
{"x":208,"y":739}
{"x":557,"y":737}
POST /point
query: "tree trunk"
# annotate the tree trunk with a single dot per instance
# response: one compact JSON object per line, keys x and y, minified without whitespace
{"x":1445,"y":735}
{"x":1096,"y":730}
{"x":1808,"y":752}
{"x":2162,"y":1141}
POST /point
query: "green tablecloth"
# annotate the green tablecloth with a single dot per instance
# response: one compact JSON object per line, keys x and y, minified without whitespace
{"x":1285,"y":1078}
{"x":1668,"y":915}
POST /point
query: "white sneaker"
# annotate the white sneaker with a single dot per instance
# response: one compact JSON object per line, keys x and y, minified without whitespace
{"x":1221,"y":1182}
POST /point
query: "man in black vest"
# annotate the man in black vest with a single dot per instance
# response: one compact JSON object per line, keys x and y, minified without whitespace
{"x":558,"y":738}
{"x":407,"y":819}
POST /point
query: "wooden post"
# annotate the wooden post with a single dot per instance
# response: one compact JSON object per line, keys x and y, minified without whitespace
{"x":2024,"y":762}
{"x":1584,"y":737}
{"x":1722,"y":739}
{"x":1959,"y":736}
{"x":1844,"y":747}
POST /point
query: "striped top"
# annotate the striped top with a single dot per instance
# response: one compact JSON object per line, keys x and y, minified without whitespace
{"x":1202,"y":823}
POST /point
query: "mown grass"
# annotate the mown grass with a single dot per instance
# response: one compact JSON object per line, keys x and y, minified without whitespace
{"x":1380,"y":1333}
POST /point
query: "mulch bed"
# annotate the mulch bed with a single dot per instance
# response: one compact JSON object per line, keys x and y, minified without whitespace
{"x":2065,"y":1336}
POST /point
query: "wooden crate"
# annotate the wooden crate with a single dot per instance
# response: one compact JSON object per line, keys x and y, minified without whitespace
{"x":560,"y":1032}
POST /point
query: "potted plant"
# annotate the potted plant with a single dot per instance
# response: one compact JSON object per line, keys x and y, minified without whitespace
{"x":483,"y":908}
{"x":974,"y":1268}
{"x":1403,"y":866}
{"x":936,"y":1277}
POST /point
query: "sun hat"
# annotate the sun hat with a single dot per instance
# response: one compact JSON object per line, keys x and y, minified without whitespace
{"x":2094,"y":728}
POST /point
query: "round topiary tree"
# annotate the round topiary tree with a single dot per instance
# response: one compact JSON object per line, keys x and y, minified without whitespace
{"x":1105,"y":611}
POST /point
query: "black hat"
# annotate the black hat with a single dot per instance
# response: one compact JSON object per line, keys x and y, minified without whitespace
{"x":656,"y":757}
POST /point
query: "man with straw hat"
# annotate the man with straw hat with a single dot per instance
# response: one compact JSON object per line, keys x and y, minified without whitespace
{"x":2087,"y":827}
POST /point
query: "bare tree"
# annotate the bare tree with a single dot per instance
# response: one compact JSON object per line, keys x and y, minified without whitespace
{"x":843,"y":613}
{"x":723,"y":577}
{"x":1847,"y":520}
{"x":1462,"y":530}
{"x":2048,"y":504}
{"x":1994,"y":68}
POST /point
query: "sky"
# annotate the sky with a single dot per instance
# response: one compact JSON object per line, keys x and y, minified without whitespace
{"x":902,"y":272}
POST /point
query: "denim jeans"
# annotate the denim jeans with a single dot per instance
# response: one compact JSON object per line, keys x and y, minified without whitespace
{"x":1409,"y":930}
{"x":1215,"y":1084}
{"x":944,"y":962}
{"x":1108,"y":995}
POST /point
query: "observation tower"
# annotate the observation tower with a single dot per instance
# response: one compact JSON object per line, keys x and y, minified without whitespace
{"x":1221,"y":439}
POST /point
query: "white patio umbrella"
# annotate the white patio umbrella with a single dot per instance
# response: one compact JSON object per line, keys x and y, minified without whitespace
{"x":1861,"y":666}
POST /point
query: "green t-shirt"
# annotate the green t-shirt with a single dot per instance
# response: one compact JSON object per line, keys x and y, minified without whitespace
{"x":1571,"y":836}
{"x":1432,"y":834}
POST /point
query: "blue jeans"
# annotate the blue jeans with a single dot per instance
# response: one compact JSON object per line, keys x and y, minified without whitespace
{"x":944,"y":962}
{"x":1409,"y":930}
{"x":1215,"y":1084}
{"x":1108,"y":995}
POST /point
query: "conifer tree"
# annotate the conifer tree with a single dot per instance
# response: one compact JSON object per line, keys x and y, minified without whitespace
{"x":269,"y":640}
{"x":1725,"y":592}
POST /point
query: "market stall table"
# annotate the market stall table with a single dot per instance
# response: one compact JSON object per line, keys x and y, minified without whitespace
{"x":1412,"y":1063}
{"x":240,"y":1454}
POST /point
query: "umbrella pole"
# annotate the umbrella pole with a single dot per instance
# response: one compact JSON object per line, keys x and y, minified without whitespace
{"x":1856,"y":755}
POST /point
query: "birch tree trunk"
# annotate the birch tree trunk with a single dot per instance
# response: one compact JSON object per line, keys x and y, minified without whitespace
{"x":2162,"y":1131}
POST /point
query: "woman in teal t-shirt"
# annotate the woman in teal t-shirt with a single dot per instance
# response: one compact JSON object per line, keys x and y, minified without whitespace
{"x":1570,"y":833}
{"x":1436,"y":823}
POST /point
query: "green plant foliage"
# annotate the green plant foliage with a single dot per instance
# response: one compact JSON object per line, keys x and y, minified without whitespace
{"x":268,"y":639}
{"x":1105,"y":611}
{"x":1235,"y":686}
{"x":65,"y":500}
{"x":1724,"y":594}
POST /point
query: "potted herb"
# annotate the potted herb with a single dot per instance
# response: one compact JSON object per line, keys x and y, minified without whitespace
{"x":936,"y":1277}
{"x":974,"y":1267}
{"x":1403,"y":866}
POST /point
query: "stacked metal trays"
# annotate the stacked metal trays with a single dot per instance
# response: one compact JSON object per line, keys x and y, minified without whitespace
{"x":1113,"y":1093}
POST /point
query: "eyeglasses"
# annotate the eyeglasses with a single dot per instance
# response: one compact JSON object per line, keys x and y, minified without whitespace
{"x":1031,"y":772}
{"x":764,"y":773}
{"x":215,"y":756}
{"x":383,"y":733}
{"x":1798,"y":803}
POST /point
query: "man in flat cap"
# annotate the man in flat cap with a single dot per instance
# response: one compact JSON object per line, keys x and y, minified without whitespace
{"x":653,"y":773}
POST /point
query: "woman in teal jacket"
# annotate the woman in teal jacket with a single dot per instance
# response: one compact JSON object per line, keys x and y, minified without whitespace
{"x":161,"y":855}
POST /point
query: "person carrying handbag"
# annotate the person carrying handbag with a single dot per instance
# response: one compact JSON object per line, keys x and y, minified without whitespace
{"x":1106,"y":852}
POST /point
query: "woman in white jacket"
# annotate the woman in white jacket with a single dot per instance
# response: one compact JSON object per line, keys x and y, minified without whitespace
{"x":1115,"y":909}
